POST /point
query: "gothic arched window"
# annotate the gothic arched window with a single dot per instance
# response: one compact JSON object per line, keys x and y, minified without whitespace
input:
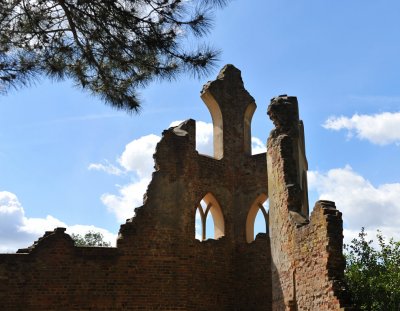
{"x":257,"y":218}
{"x":209,"y":222}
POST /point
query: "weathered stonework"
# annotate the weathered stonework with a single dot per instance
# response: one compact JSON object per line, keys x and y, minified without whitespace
{"x":159,"y":265}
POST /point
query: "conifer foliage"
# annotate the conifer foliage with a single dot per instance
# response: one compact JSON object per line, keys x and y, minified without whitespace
{"x":110,"y":47}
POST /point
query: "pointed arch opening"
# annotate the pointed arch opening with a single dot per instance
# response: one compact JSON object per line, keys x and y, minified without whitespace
{"x":209,"y":222}
{"x":257,"y":218}
{"x":218,"y":125}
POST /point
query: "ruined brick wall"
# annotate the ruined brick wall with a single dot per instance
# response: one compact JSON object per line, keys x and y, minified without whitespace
{"x":158,"y":263}
{"x":319,"y":262}
{"x":57,"y":276}
{"x":307,"y":261}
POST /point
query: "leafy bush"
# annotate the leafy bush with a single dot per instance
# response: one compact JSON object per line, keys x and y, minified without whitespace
{"x":373,"y":273}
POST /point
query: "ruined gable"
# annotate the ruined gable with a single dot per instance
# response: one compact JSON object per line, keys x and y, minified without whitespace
{"x":159,"y":264}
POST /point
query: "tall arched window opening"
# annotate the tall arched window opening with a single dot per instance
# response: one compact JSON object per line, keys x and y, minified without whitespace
{"x":218,"y":124}
{"x":257,"y":218}
{"x":209,"y":221}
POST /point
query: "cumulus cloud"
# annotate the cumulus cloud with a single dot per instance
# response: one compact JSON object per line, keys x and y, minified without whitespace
{"x":138,"y":155}
{"x":129,"y":196}
{"x":380,"y":129}
{"x":204,"y":138}
{"x":19,"y":231}
{"x":257,"y":146}
{"x":137,"y":159}
{"x":362,"y":203}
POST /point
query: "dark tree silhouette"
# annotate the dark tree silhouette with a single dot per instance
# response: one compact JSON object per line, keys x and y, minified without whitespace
{"x":110,"y":47}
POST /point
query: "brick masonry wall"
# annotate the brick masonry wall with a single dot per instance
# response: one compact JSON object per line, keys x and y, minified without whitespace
{"x":319,"y":260}
{"x":307,"y":261}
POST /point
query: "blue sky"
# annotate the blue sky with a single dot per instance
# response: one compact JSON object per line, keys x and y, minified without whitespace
{"x":68,"y":159}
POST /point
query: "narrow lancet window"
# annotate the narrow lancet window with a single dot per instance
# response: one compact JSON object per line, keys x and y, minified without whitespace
{"x":257,"y":218}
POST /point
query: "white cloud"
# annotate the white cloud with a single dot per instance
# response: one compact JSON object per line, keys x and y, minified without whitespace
{"x":137,"y":158}
{"x":106,"y":167}
{"x":387,"y":233}
{"x":257,"y":146}
{"x":362,"y":203}
{"x":198,"y":227}
{"x":19,"y":231}
{"x":37,"y":226}
{"x":129,"y":196}
{"x":380,"y":129}
{"x":204,"y":138}
{"x":138,"y":155}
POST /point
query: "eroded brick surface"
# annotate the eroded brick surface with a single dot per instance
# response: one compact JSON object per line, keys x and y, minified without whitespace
{"x":307,"y":261}
{"x":159,"y":265}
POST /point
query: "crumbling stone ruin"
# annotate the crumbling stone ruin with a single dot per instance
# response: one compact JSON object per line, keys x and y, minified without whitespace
{"x":158,"y":264}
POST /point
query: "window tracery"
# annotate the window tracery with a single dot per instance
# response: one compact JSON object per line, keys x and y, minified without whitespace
{"x":209,"y":227}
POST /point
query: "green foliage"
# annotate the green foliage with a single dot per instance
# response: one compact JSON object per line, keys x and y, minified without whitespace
{"x":90,"y":239}
{"x":110,"y":47}
{"x":373,"y":273}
